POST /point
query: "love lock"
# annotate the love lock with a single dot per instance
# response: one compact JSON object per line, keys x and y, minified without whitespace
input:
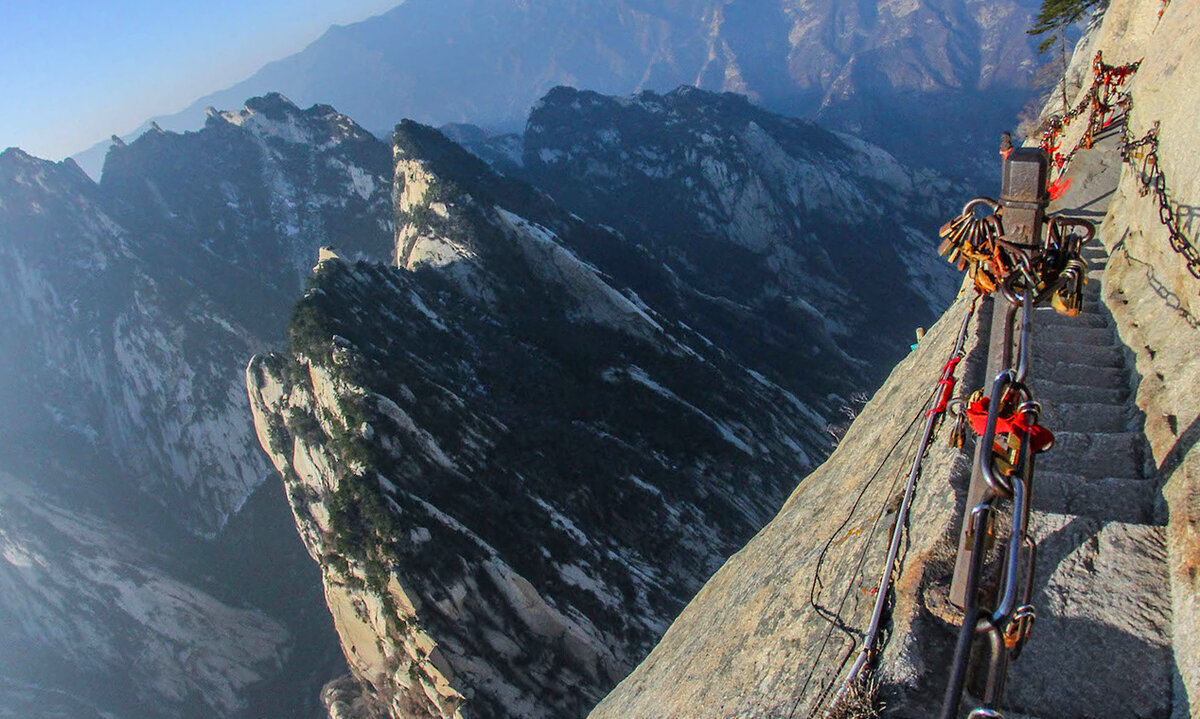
{"x":1068,"y":300}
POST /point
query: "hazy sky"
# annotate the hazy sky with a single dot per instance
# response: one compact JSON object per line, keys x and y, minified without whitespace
{"x":73,"y":72}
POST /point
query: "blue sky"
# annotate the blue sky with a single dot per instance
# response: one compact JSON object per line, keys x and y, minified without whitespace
{"x":73,"y":72}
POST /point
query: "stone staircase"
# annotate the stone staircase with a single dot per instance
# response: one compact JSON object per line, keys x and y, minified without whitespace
{"x":1101,"y":643}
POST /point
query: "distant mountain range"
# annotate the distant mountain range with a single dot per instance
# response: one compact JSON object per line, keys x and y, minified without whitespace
{"x":932,"y":81}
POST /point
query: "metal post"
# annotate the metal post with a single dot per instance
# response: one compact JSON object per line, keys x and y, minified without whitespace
{"x":1000,"y":346}
{"x":1023,"y":200}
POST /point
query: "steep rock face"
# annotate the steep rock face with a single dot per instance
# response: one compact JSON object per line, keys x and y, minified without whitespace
{"x":892,"y":72}
{"x":768,"y":635}
{"x":1155,"y":300}
{"x":511,"y":469}
{"x":132,"y":308}
{"x":755,"y":209}
{"x":1115,"y":587}
{"x":258,"y":189}
{"x":138,"y":297}
{"x":96,"y":341}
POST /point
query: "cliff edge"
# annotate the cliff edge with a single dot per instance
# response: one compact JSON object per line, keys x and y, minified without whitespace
{"x":1116,"y":510}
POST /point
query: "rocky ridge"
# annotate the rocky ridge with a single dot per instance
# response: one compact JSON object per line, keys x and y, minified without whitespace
{"x":809,"y":217}
{"x":891,"y":72}
{"x":510,"y":384}
{"x":522,"y":367}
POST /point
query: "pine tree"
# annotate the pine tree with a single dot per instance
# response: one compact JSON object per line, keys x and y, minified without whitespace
{"x":1055,"y":16}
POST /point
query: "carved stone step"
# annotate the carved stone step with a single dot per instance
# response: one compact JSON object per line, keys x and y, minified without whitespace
{"x":1048,"y":392}
{"x":1113,"y":454}
{"x":1113,"y":499}
{"x":1047,"y":320}
{"x":1086,"y":417}
{"x":1072,"y":372}
{"x":1050,"y":350}
{"x":1080,"y":335}
{"x":1103,"y":620}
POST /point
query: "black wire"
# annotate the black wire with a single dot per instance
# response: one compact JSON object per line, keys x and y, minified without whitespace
{"x":834,"y":618}
{"x":831,"y":677}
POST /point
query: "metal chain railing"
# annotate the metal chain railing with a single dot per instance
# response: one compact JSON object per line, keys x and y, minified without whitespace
{"x":1106,"y":103}
{"x":1008,"y":625}
{"x":1023,"y":268}
{"x":1036,"y":260}
{"x":942,"y":393}
{"x":1142,"y":155}
{"x":1101,"y":101}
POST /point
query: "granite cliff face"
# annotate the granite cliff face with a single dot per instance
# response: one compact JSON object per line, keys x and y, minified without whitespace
{"x":133,"y":305}
{"x":772,"y":633}
{"x":516,"y":454}
{"x":1155,"y":299}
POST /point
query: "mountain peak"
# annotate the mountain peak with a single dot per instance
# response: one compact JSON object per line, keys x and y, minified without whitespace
{"x":414,"y":141}
{"x":20,"y":167}
{"x":500,"y":241}
{"x":437,"y":179}
{"x":274,"y":105}
{"x":275,"y":116}
{"x":15,"y":155}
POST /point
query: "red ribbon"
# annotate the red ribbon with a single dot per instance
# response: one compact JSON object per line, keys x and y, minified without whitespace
{"x":1041,"y":438}
{"x":1058,"y":188}
{"x":947,"y":385}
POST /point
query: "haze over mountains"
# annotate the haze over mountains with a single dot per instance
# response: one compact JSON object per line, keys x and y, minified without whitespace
{"x":127,"y":444}
{"x":886,"y":71}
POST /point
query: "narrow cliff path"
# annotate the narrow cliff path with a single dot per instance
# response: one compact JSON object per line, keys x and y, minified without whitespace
{"x":1101,"y":643}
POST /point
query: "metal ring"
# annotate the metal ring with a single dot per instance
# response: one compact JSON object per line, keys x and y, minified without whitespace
{"x":972,"y":204}
{"x":1031,"y":407}
{"x":998,"y":483}
{"x":1008,"y":597}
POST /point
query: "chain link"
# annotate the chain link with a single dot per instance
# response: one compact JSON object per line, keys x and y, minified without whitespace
{"x":1142,"y":155}
{"x":1101,"y":98}
{"x":1022,"y":270}
{"x":1104,"y":105}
